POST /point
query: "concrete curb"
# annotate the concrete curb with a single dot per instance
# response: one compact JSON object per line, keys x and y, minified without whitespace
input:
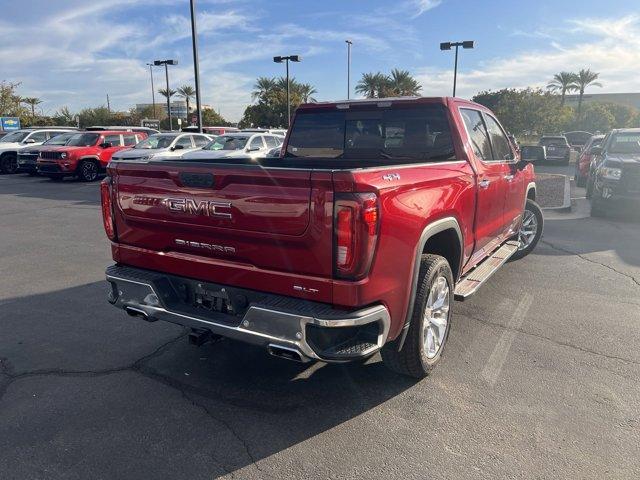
{"x":566,"y":204}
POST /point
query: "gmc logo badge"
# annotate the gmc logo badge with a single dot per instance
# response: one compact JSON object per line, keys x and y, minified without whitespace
{"x":201,"y":207}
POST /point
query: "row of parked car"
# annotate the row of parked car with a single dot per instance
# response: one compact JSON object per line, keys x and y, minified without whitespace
{"x":609,"y":167}
{"x":62,"y":152}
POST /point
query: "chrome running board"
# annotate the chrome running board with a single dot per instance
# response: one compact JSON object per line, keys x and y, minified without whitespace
{"x":470,"y":283}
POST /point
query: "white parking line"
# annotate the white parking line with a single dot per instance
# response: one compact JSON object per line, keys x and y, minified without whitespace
{"x":492,"y":369}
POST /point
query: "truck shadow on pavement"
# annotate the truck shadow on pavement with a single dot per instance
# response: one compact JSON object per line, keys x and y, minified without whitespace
{"x":84,"y":388}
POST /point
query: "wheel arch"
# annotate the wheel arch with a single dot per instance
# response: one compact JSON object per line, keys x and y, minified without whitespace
{"x":441,"y":237}
{"x":531,"y":192}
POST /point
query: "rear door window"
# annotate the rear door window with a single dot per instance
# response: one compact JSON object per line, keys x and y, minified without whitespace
{"x":499,"y":141}
{"x":477,"y":133}
{"x":114,"y":140}
{"x":130,"y":140}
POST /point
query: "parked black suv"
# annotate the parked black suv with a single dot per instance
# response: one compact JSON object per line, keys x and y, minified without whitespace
{"x":614,"y":179}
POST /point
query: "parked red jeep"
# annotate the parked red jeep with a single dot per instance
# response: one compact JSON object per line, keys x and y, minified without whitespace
{"x":355,"y":241}
{"x":86,"y":154}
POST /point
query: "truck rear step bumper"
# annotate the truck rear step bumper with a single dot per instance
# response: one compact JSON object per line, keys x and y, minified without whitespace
{"x":288,"y":327}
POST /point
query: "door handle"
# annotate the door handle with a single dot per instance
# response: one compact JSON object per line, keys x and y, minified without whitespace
{"x":484,"y":183}
{"x":508,"y":178}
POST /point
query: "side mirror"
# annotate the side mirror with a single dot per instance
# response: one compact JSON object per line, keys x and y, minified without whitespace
{"x":533,"y":153}
{"x":29,"y":140}
{"x":177,"y":147}
{"x":106,"y":145}
{"x":253,"y":149}
{"x":596,"y":150}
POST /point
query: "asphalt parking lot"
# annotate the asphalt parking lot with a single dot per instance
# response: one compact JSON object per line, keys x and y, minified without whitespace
{"x":541,"y":378}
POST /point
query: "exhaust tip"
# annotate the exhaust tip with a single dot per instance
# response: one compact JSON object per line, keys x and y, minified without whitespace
{"x":286,"y":353}
{"x":139,"y":313}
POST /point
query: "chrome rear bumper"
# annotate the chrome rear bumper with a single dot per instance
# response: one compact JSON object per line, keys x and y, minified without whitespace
{"x":142,"y":293}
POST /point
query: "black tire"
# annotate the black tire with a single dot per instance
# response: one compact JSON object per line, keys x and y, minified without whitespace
{"x":9,"y":163}
{"x":88,"y":171}
{"x":597,"y":209}
{"x":589,"y":193}
{"x":412,"y":360}
{"x":535,"y":209}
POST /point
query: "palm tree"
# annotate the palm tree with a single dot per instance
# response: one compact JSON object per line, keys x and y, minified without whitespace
{"x":563,"y":82}
{"x":305,"y":90}
{"x":584,"y":79}
{"x":163,"y":92}
{"x":402,"y":84}
{"x":263,"y":88}
{"x":368,"y":85}
{"x":374,"y":85}
{"x":187,"y":92}
{"x":32,"y":102}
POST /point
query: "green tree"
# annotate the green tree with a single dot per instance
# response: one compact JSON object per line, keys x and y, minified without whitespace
{"x":163,"y":92}
{"x":64,"y":117}
{"x":585,"y":78}
{"x":270,"y":95}
{"x":187,"y":92}
{"x":33,"y":102}
{"x":597,"y":117}
{"x":211,"y":118}
{"x":624,"y":116}
{"x":402,"y":84}
{"x":563,"y":82}
{"x":374,"y":85}
{"x":10,"y":101}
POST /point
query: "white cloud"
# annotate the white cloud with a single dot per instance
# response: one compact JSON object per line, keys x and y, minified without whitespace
{"x":602,"y":51}
{"x":425,"y":5}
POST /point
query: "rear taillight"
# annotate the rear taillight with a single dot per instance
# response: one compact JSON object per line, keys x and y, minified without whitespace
{"x":356,"y":219}
{"x":107,"y":208}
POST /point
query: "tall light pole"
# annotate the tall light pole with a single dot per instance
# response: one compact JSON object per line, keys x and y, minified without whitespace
{"x":196,"y":67}
{"x":293,"y":58}
{"x":153,"y":90}
{"x":447,"y":46}
{"x":349,"y":43}
{"x":166,"y":64}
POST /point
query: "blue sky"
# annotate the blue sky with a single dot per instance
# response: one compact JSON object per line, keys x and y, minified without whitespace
{"x":74,"y":52}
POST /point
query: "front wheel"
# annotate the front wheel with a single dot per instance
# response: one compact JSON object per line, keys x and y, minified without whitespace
{"x":530,"y":230}
{"x":8,"y":163}
{"x":88,"y":171}
{"x":430,"y":322}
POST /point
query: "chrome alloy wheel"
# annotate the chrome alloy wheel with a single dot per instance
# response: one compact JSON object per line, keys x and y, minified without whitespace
{"x":436,"y":317}
{"x":528,"y":229}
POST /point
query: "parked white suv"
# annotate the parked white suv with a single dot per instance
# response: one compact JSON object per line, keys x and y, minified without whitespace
{"x":13,"y":142}
{"x":167,"y":145}
{"x":240,"y":144}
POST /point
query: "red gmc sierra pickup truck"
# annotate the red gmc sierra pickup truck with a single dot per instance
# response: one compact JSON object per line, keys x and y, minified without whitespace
{"x":377,"y":214}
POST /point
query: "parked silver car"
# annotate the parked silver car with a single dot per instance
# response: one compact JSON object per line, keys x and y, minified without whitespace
{"x":166,"y":145}
{"x":240,"y":144}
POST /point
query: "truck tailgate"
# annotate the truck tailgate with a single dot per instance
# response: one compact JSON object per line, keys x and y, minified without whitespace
{"x":254,"y":217}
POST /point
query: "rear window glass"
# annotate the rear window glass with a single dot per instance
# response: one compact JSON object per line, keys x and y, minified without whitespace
{"x":553,"y":141}
{"x":384,"y":134}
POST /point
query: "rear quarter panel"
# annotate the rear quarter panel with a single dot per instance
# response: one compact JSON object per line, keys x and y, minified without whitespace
{"x":422,"y":194}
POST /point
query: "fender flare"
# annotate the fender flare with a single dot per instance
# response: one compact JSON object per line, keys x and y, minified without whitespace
{"x":530,"y":186}
{"x":88,"y":157}
{"x":429,"y":231}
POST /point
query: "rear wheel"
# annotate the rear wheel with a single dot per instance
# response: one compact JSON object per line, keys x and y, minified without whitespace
{"x":530,"y":230}
{"x":430,"y":322}
{"x":88,"y":170}
{"x":8,"y":163}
